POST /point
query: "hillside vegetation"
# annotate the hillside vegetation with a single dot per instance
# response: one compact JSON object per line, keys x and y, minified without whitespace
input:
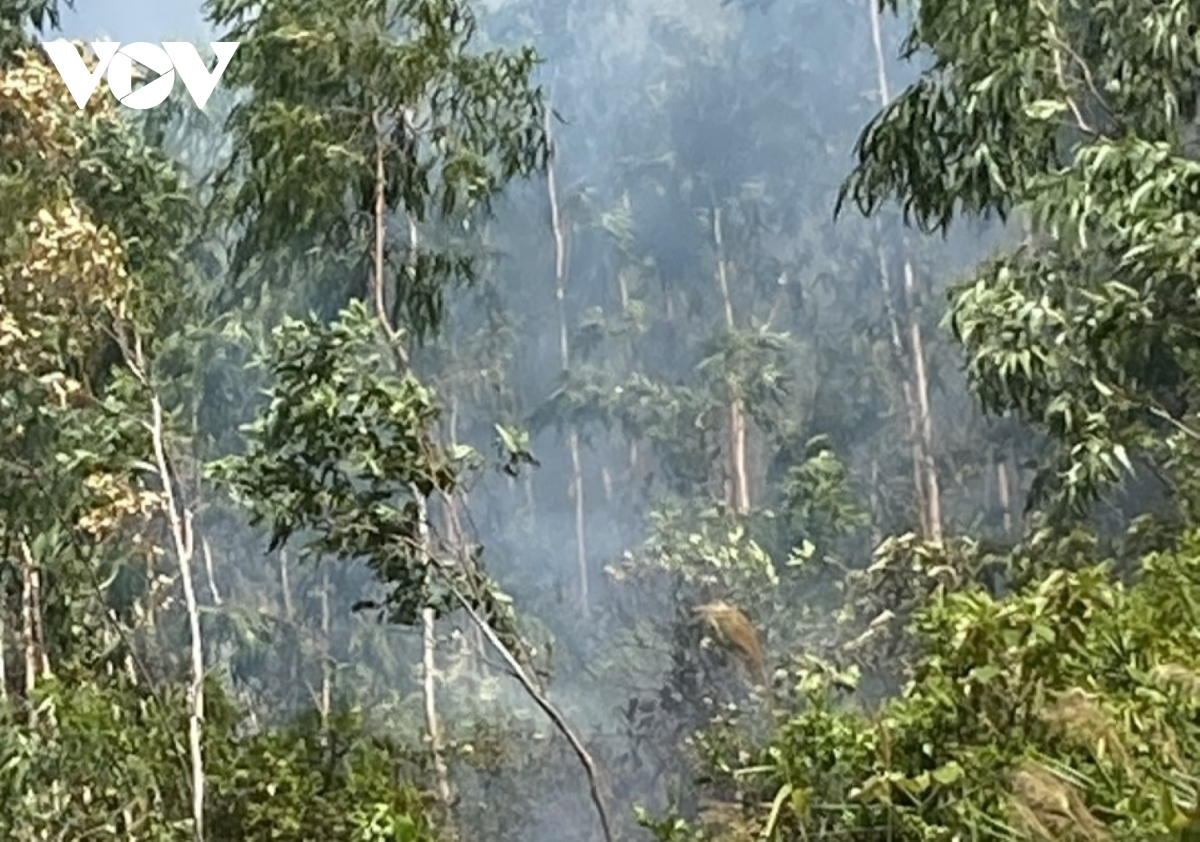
{"x":578,"y":422}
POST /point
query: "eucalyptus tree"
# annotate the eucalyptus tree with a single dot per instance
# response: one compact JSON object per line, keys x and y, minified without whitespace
{"x":53,"y":338}
{"x":98,"y":286}
{"x":413,"y":126}
{"x":1080,"y":129}
{"x":1075,"y":120}
{"x":681,"y":393}
{"x":578,"y":41}
{"x":396,"y":116}
{"x":104,"y":208}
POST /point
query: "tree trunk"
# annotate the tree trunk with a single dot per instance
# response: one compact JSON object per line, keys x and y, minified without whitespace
{"x":196,"y":715}
{"x":179,"y":518}
{"x":623,"y":291}
{"x":29,"y":625}
{"x":739,"y":483}
{"x":564,"y":348}
{"x":876,"y":509}
{"x":400,"y":354}
{"x":285,"y":587}
{"x":933,"y":491}
{"x":296,"y":658}
{"x":326,"y":703}
{"x":210,"y":572}
{"x":433,"y":725}
{"x":429,"y":675}
{"x":899,"y":357}
{"x":915,"y":384}
{"x":1004,"y":475}
{"x":3,"y":648}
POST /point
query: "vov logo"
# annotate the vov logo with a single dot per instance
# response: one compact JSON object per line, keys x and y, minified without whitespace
{"x":166,"y":61}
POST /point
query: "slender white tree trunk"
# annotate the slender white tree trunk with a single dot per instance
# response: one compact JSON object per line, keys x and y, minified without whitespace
{"x":739,"y":481}
{"x":428,"y":637}
{"x":325,"y":706}
{"x":29,"y":640}
{"x":210,"y":572}
{"x":564,"y":347}
{"x":623,"y":291}
{"x":179,"y":518}
{"x":1005,"y":474}
{"x":933,"y":491}
{"x":3,"y":655}
{"x":916,"y":384}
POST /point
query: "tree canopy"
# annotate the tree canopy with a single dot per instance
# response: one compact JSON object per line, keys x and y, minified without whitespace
{"x":564,"y":422}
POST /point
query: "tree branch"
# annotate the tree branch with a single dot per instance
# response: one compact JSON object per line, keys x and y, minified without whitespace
{"x":555,"y":716}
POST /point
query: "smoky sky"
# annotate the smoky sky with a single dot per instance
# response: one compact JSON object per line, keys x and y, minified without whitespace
{"x":134,"y":20}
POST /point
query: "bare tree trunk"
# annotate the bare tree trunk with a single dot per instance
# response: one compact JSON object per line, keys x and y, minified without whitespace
{"x":623,"y":290}
{"x":876,"y":513}
{"x":321,"y":699}
{"x":429,"y":675}
{"x":1005,"y":492}
{"x":285,"y":587}
{"x":988,"y":479}
{"x":206,"y":550}
{"x":400,"y":354}
{"x":530,"y":499}
{"x":457,"y":540}
{"x":581,"y":564}
{"x":916,"y":387}
{"x":196,"y":715}
{"x":326,"y":703}
{"x":179,"y":517}
{"x":560,"y":292}
{"x":3,"y":649}
{"x":39,"y":624}
{"x":29,"y":641}
{"x":910,"y":404}
{"x":739,"y":481}
{"x":933,"y":491}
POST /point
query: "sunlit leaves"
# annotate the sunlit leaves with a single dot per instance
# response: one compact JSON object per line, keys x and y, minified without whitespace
{"x":341,"y":451}
{"x":69,"y":281}
{"x":975,"y":129}
{"x":70,"y":278}
{"x":1096,"y":335}
{"x":113,"y":768}
{"x":327,"y":93}
{"x":65,"y":273}
{"x":281,"y":785}
{"x":706,"y":548}
{"x":819,"y":507}
{"x":1065,"y":705}
{"x":513,"y":445}
{"x":1077,"y":115}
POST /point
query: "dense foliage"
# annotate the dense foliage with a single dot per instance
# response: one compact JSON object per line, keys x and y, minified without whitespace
{"x":432,"y":442}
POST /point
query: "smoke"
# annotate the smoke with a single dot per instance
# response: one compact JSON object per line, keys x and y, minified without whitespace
{"x":662,"y":103}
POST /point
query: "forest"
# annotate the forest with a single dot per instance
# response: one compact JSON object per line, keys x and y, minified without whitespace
{"x":566,"y":421}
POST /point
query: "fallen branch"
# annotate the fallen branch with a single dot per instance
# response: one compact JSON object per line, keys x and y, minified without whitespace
{"x":553,"y":713}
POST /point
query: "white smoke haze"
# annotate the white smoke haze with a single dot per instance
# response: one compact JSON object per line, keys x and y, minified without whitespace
{"x":763,"y":100}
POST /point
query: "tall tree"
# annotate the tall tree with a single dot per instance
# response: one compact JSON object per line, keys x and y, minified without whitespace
{"x":1083,"y":135}
{"x":411,"y":124}
{"x":913,"y":357}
